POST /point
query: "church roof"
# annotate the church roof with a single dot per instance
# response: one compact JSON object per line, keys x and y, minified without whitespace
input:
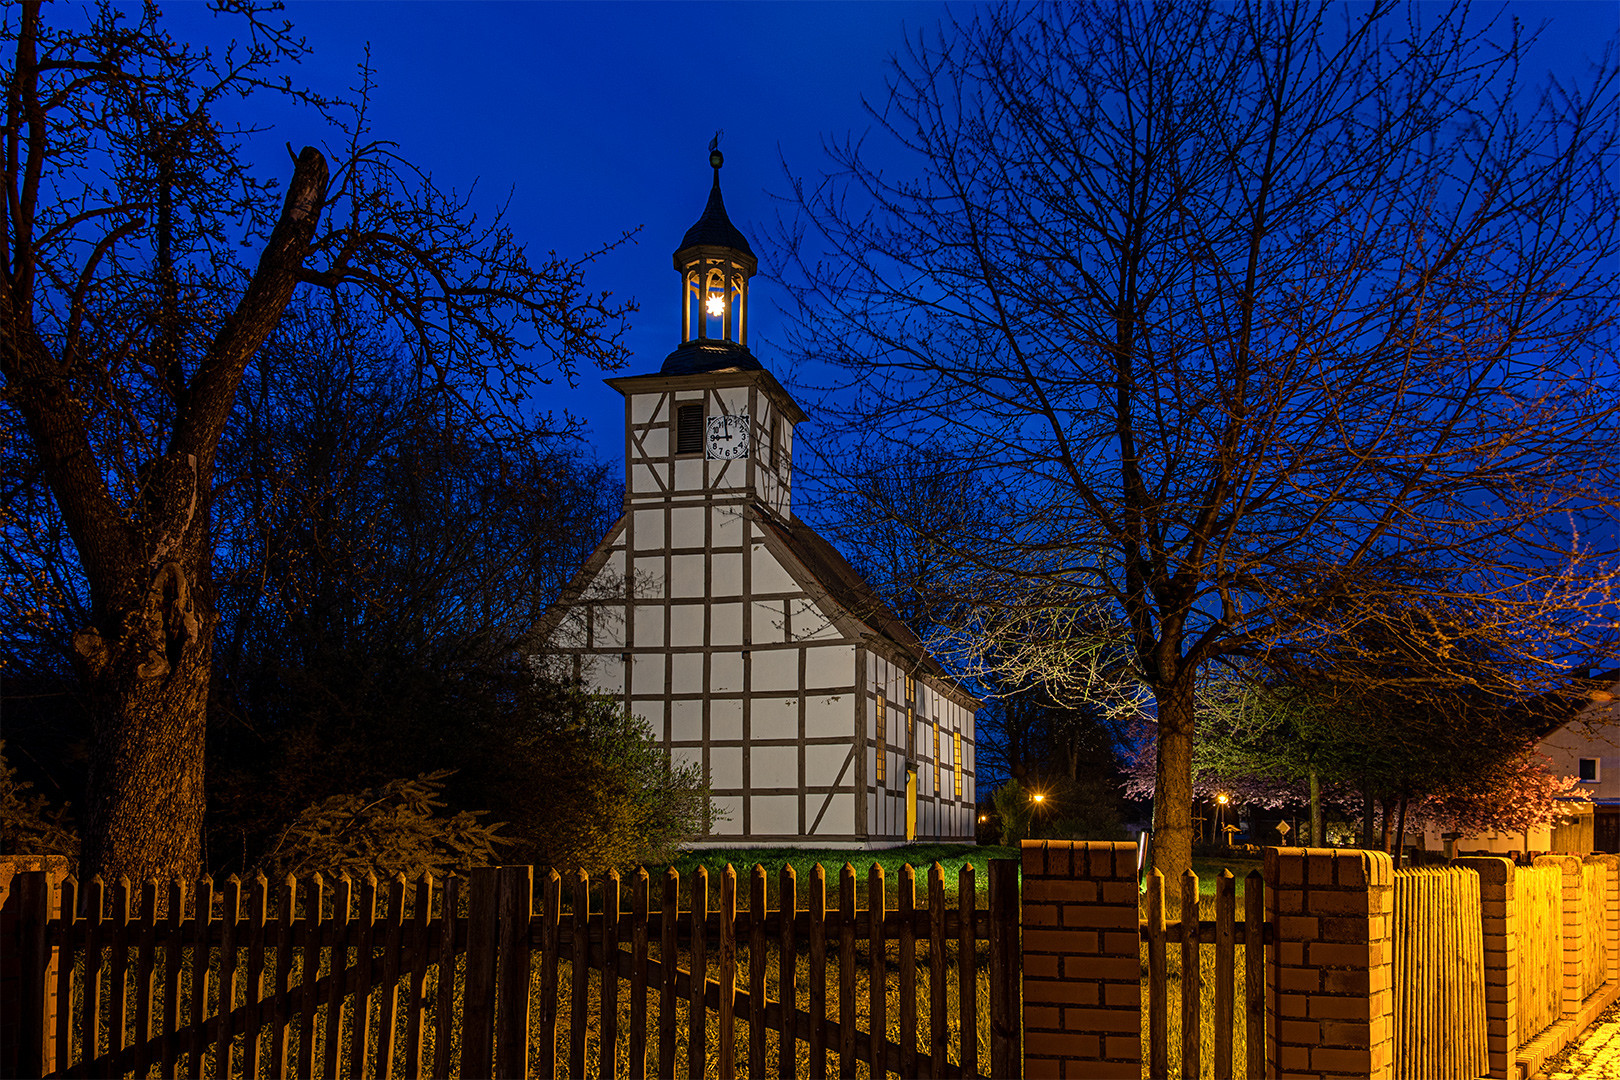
{"x":707,"y":354}
{"x":849,"y":590}
{"x":714,"y":228}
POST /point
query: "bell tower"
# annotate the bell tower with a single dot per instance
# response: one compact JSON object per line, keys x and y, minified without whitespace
{"x":713,"y":427}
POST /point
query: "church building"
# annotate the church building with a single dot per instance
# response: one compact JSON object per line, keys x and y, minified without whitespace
{"x":746,"y":641}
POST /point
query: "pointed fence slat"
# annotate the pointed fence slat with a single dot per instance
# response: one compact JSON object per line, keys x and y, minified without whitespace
{"x":1158,"y":997}
{"x":145,"y":985}
{"x":938,"y":1028}
{"x":1192,"y":979}
{"x":72,"y":936}
{"x":258,"y":900}
{"x":640,"y":914}
{"x":310,"y":936}
{"x":846,"y":973}
{"x":444,"y":1010}
{"x":787,"y":1061}
{"x":550,"y":940}
{"x":610,"y":977}
{"x":478,"y":1000}
{"x":421,"y":938}
{"x":118,"y":990}
{"x":516,"y":904}
{"x":90,"y":1028}
{"x":1225,"y":953}
{"x":697,"y":1020}
{"x":818,"y":973}
{"x":757,"y":916}
{"x":727,"y":1050}
{"x":393,"y":958}
{"x":877,"y":988}
{"x":967,"y":959}
{"x":338,"y":937}
{"x":666,"y":985}
{"x":580,"y":968}
{"x":908,"y":974}
{"x":281,"y":1002}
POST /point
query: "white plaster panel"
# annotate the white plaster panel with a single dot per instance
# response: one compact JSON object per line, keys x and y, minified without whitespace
{"x":728,"y":815}
{"x":686,"y":526}
{"x":606,"y":675}
{"x":725,"y":718}
{"x":655,"y":440}
{"x":612,"y":569}
{"x":570,"y":631}
{"x":688,"y":474}
{"x":725,"y":673}
{"x":728,"y":475}
{"x":821,"y":765}
{"x":686,"y":721}
{"x":652,"y":711}
{"x":840,"y":815}
{"x":769,"y":622}
{"x":649,"y":530}
{"x":686,"y":673}
{"x":644,"y":408}
{"x":686,"y":575}
{"x":827,"y":718}
{"x":686,"y":755}
{"x":773,"y":766}
{"x":728,"y":527}
{"x":649,"y":626}
{"x":725,"y":767}
{"x":733,"y":399}
{"x":809,"y":621}
{"x":725,"y":625}
{"x":775,"y":669}
{"x":774,"y":814}
{"x":727,"y":578}
{"x":649,"y":582}
{"x":686,"y":624}
{"x":644,"y":479}
{"x":646,"y":673}
{"x":607,"y":626}
{"x":830,"y":665}
{"x":769,"y":576}
{"x":774,"y":718}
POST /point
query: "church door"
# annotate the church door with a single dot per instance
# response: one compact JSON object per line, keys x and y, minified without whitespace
{"x":911,"y":805}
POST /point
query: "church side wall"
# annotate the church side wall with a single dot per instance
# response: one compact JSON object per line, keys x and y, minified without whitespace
{"x":911,"y":724}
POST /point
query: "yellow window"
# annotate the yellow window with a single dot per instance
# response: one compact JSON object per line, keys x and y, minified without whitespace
{"x":936,"y":757}
{"x":882,"y":750}
{"x":956,"y":760}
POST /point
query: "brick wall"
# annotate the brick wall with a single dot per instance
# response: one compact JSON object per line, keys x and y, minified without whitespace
{"x":1328,"y":993}
{"x":1082,"y":964}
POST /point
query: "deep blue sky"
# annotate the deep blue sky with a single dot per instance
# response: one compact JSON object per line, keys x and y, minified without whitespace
{"x":597,"y":116}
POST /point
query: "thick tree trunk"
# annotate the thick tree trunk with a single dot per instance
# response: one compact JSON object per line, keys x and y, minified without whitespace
{"x":1172,"y":793}
{"x":1388,"y":803}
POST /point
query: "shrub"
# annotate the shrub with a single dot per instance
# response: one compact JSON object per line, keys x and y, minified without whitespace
{"x":29,"y":825}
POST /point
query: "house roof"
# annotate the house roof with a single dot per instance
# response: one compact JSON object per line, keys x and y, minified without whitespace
{"x":844,"y":585}
{"x":714,"y":228}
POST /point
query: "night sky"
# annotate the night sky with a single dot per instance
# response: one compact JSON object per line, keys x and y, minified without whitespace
{"x":596,"y":119}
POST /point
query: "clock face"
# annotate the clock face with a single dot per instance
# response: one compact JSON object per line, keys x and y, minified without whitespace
{"x":728,"y":436}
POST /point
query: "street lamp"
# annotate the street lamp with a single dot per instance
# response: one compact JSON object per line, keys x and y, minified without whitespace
{"x":1220,"y":816}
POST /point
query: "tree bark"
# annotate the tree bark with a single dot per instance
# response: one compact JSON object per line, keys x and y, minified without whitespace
{"x":1400,"y":832}
{"x":1317,"y":839}
{"x":1172,"y":793}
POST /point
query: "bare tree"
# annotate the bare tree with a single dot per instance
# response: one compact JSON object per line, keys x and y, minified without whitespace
{"x":1241,"y":310}
{"x":127,"y":321}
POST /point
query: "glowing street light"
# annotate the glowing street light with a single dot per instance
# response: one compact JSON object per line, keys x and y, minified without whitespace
{"x":1038,"y":797}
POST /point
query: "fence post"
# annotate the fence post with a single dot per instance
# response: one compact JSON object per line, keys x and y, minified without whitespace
{"x":512,"y":976}
{"x":483,"y":944}
{"x":1082,"y":968}
{"x":1005,"y":967}
{"x":1571,"y":910}
{"x":1329,"y":994}
{"x":1499,"y":923}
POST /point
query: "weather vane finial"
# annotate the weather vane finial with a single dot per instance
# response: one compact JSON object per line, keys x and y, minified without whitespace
{"x":716,"y":158}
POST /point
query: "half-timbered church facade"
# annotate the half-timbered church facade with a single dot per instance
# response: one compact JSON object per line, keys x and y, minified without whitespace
{"x":749,"y":644}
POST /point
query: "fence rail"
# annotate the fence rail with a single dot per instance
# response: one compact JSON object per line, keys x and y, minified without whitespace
{"x":320,"y":978}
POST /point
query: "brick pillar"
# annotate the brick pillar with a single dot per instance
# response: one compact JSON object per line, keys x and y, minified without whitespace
{"x":1499,"y":921}
{"x":1571,"y":866}
{"x":1611,"y":915}
{"x":1082,"y":964}
{"x":1330,"y":998}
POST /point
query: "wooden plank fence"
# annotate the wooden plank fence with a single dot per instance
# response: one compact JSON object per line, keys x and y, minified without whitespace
{"x":1539,"y":960}
{"x":464,"y":977}
{"x":1439,"y":975}
{"x":1225,"y":933}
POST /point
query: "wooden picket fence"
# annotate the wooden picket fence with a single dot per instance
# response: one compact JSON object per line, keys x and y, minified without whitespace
{"x":1539,"y":961}
{"x":1226,"y":932}
{"x":465,"y":977}
{"x":1439,"y":975}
